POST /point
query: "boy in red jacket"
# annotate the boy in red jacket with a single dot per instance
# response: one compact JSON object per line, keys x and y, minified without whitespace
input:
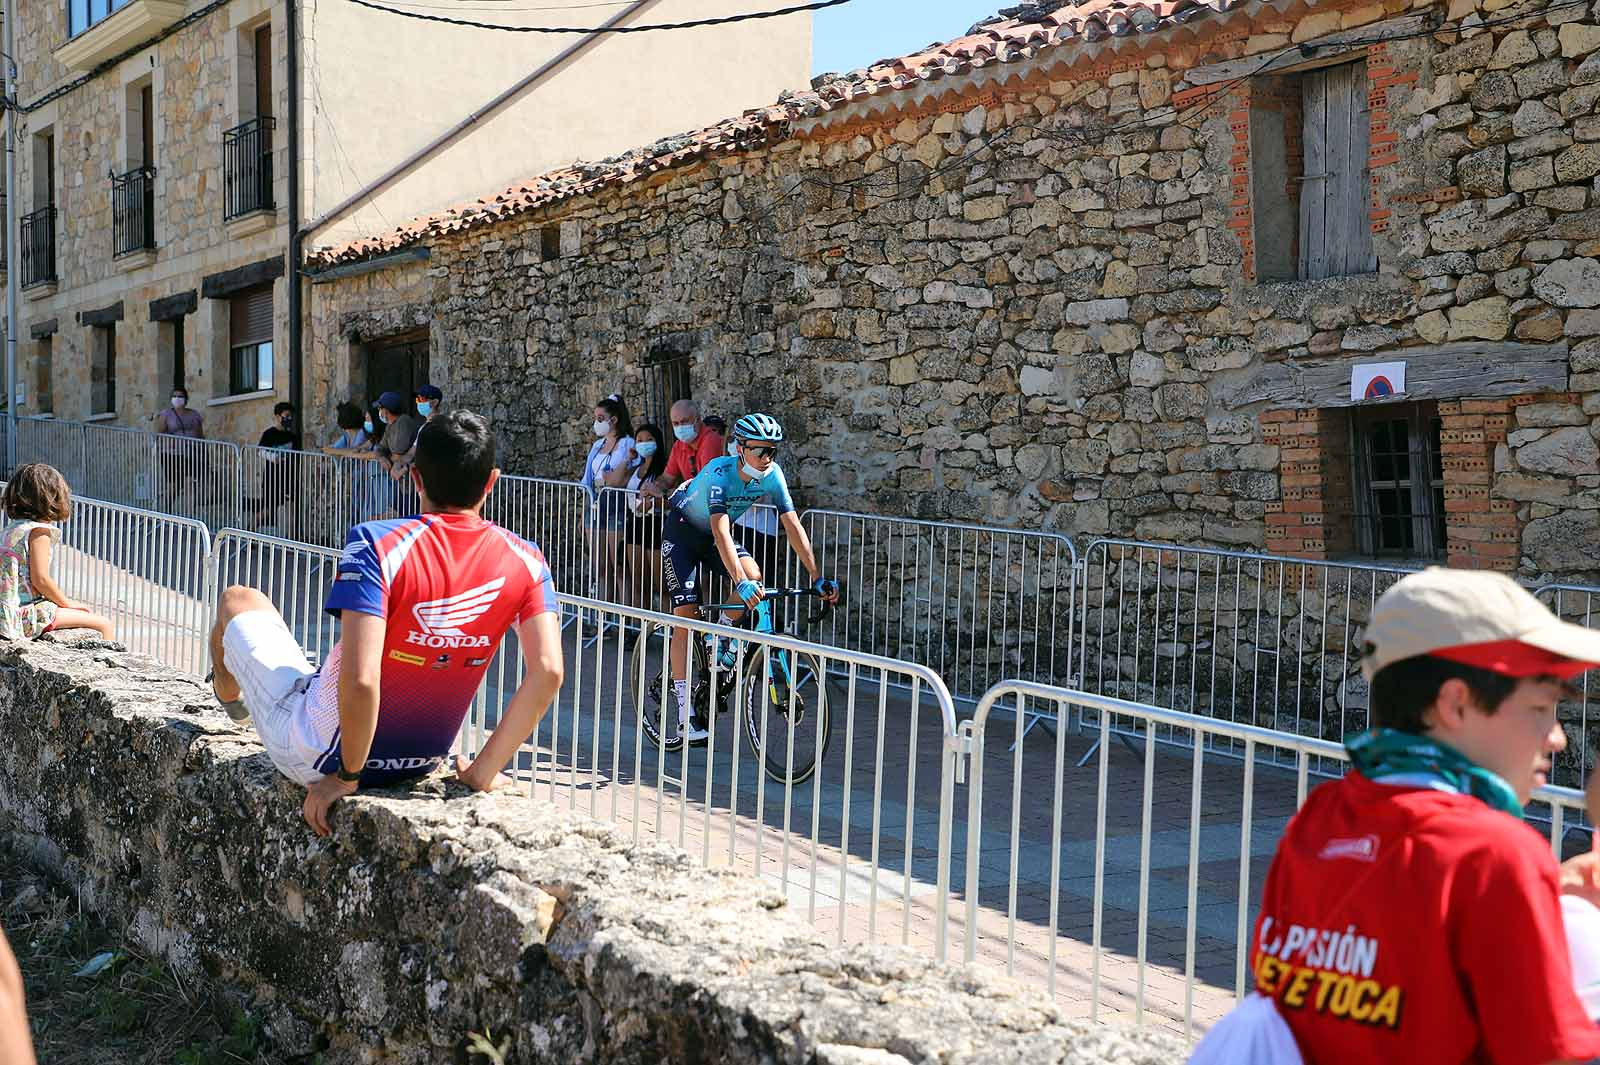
{"x":1410,"y":914}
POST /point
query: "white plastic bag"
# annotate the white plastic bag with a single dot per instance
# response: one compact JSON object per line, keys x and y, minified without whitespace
{"x":1583,"y":943}
{"x":1251,"y":1034}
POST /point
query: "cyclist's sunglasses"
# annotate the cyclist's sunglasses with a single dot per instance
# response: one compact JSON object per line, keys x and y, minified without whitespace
{"x":761,"y":451}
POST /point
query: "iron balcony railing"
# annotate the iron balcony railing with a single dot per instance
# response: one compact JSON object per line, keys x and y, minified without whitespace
{"x":247,"y":167}
{"x":38,"y":240}
{"x":133,"y":210}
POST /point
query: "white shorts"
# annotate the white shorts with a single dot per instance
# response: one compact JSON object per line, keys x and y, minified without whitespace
{"x":274,"y":676}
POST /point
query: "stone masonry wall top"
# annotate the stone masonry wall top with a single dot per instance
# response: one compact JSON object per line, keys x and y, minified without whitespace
{"x":429,"y":913}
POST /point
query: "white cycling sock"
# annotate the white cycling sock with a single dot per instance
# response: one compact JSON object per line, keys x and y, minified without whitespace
{"x":680,"y":688}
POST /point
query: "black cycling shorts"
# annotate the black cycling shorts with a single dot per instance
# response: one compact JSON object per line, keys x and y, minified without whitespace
{"x":685,"y":551}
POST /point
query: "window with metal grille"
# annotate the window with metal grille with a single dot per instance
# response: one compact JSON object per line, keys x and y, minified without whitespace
{"x":250,"y":341}
{"x":666,"y":379}
{"x":1310,"y":188}
{"x":103,"y":369}
{"x":1399,"y":481}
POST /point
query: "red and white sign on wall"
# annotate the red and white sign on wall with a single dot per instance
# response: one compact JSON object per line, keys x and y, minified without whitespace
{"x":1377,"y":380}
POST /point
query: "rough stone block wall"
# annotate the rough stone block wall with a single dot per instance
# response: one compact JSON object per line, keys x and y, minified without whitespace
{"x":964,"y":310}
{"x":346,"y":320}
{"x":430,"y":914}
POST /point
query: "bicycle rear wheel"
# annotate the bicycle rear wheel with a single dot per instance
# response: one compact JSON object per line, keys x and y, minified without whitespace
{"x":785,"y":704}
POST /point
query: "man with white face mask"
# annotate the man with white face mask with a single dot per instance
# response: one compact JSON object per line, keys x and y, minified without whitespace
{"x":180,"y":463}
{"x":697,"y":444}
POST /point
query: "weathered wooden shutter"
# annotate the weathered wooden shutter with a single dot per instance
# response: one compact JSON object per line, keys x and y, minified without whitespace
{"x":1335,"y":231}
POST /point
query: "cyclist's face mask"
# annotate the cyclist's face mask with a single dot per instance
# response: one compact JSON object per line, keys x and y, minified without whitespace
{"x":758,"y":454}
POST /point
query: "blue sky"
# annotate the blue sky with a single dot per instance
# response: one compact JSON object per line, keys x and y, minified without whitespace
{"x":844,"y":38}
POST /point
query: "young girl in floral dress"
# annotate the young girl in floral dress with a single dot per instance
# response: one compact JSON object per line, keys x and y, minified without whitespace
{"x":31,"y":602}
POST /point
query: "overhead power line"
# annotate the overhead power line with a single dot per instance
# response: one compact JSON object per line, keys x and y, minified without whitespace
{"x":721,"y":20}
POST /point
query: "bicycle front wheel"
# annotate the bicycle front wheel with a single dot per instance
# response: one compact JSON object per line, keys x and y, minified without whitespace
{"x":786,"y":713}
{"x":651,"y":691}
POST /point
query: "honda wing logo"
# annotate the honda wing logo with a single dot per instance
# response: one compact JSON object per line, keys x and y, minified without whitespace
{"x":442,"y":620}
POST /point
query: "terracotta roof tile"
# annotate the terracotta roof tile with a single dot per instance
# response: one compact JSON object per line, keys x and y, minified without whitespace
{"x":1014,"y":35}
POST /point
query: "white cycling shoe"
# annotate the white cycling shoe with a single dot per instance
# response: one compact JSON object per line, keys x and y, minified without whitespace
{"x":692,"y":733}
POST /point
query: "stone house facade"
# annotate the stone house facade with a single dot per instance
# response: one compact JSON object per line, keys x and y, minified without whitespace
{"x":1321,"y":281}
{"x":158,"y":168}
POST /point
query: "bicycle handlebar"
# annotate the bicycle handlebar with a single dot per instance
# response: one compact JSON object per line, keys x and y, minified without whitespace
{"x":790,"y":593}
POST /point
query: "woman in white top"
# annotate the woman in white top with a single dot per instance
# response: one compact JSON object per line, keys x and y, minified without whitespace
{"x":610,"y":462}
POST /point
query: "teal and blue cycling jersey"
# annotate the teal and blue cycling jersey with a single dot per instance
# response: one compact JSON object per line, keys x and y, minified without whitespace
{"x":719,"y":489}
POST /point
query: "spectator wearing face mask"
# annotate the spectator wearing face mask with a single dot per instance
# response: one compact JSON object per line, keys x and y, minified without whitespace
{"x":397,"y":435}
{"x":356,"y":441}
{"x":429,"y":402}
{"x":279,"y":487}
{"x":610,"y":461}
{"x":181,"y":464}
{"x":697,"y":443}
{"x":641,"y":537}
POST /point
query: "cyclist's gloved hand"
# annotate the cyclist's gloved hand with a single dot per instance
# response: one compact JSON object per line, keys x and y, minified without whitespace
{"x":749,"y":592}
{"x":826,"y":588}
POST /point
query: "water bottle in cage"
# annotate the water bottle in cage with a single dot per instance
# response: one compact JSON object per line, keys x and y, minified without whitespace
{"x":723,"y":652}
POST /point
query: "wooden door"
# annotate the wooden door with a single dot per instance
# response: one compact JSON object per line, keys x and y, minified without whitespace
{"x":263,"y":48}
{"x":397,"y":366}
{"x":147,"y":128}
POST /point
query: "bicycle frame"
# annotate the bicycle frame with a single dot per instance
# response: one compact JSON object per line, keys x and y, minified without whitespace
{"x":762,"y":612}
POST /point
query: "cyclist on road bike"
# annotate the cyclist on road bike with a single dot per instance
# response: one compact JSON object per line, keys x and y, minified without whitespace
{"x":698,"y":534}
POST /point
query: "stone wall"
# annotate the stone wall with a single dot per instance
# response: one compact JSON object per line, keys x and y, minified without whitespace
{"x":429,"y":914}
{"x":1037,"y":303}
{"x":345,"y":320}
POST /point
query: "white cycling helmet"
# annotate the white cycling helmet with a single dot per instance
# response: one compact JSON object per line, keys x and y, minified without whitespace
{"x":758,"y":429}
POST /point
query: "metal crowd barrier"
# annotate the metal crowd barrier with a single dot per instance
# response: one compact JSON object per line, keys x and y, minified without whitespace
{"x":197,"y":479}
{"x":1108,"y":891}
{"x":295,"y":576}
{"x":144,"y":571}
{"x":1579,"y":605}
{"x":979,"y":604}
{"x":1253,"y":639}
{"x":976,"y":603}
{"x":552,"y":514}
{"x":859,"y":842}
{"x":1044,"y":870}
{"x":1258,"y":639}
{"x":59,"y":443}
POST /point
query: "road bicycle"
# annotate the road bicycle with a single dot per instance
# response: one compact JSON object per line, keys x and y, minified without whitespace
{"x":782,"y":694}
